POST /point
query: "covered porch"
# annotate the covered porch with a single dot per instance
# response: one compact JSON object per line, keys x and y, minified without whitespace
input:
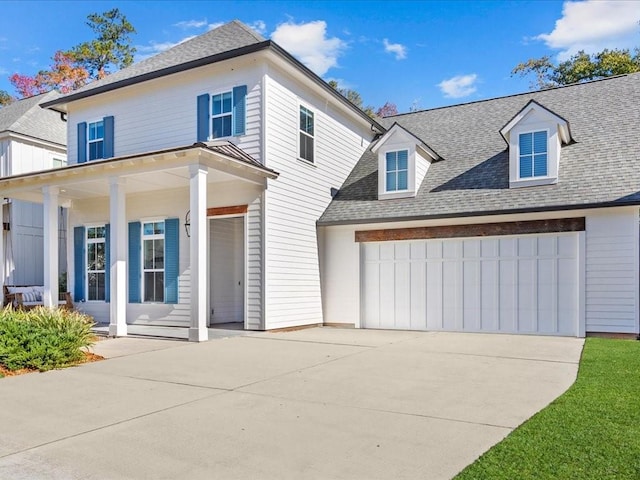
{"x":142,"y":228}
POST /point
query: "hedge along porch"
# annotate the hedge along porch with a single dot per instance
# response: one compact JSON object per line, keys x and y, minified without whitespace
{"x":116,"y":205}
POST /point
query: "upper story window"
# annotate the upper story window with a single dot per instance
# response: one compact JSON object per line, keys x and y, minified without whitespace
{"x":95,"y":141}
{"x":96,"y":261}
{"x":307,"y":135}
{"x":397,"y":171}
{"x":153,"y":261}
{"x":533,"y":150}
{"x":222,"y":115}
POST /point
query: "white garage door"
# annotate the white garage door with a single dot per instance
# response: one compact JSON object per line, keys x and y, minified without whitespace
{"x":511,"y":284}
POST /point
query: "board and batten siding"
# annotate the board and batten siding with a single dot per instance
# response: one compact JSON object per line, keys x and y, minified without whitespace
{"x":612,"y":271}
{"x":27,"y":157}
{"x":162,"y":113}
{"x":295,"y":201}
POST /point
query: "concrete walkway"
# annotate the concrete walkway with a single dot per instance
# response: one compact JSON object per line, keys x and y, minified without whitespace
{"x":321,"y":403}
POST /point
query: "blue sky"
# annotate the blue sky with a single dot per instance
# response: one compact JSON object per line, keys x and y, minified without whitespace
{"x":420,"y":54}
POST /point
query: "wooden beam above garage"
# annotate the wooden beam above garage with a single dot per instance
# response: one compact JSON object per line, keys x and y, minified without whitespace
{"x":475,"y":230}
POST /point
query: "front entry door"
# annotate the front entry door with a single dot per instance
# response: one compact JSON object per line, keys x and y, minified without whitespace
{"x":226,"y":270}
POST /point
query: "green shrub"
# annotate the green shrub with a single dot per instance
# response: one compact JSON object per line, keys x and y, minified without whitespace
{"x":43,"y":338}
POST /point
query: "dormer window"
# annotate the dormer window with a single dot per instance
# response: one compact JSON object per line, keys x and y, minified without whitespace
{"x":403,"y":161}
{"x":533,"y":154}
{"x":397,"y":174}
{"x":535,"y":136}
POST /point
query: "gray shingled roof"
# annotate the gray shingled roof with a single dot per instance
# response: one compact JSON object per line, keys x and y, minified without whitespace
{"x":602,"y":166}
{"x":226,"y":38}
{"x":27,"y":118}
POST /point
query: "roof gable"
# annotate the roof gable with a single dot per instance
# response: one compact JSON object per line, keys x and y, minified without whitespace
{"x":26,"y":117}
{"x":398,"y":132}
{"x":535,"y":109}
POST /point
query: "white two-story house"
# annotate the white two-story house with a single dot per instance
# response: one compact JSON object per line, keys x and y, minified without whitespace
{"x":194,"y":182}
{"x":31,"y":139}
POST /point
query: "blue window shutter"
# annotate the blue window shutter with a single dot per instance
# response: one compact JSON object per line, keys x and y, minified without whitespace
{"x":239,"y":109}
{"x":134,"y":262}
{"x":108,"y":151}
{"x":204,"y":117}
{"x":171,"y":259}
{"x":79,"y":269}
{"x":107,"y":263}
{"x":82,"y":142}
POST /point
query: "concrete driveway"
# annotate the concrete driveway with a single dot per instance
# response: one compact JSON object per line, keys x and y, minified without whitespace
{"x":321,"y":403}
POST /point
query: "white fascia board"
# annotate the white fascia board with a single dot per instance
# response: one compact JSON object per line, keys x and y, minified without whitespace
{"x":410,"y":137}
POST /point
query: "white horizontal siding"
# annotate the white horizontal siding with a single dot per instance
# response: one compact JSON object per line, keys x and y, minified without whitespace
{"x":162,"y":113}
{"x":299,"y":196}
{"x":612,"y":272}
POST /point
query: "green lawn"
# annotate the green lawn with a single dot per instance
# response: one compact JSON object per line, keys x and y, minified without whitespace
{"x":590,"y":432}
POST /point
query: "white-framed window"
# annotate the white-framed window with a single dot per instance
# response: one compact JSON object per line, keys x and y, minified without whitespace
{"x":397,"y":171}
{"x":96,"y":260}
{"x":153,"y":261}
{"x":533,"y":154}
{"x":307,"y":134}
{"x":95,"y":140}
{"x":222,"y":115}
{"x":58,"y":162}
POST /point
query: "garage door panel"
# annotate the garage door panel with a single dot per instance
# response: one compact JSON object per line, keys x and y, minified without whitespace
{"x":387,"y":292}
{"x":512,"y":284}
{"x":419,"y":294}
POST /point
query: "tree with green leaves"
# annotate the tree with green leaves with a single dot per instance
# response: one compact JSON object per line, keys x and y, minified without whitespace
{"x":354,"y":97}
{"x":581,"y":67}
{"x":111,"y":49}
{"x":5,"y":98}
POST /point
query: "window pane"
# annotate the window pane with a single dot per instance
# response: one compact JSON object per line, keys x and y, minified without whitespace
{"x":100,"y":291}
{"x":526,"y":144}
{"x":526,"y":166}
{"x":100,"y":232}
{"x":148,"y":254}
{"x":91,"y":256}
{"x":391,"y":182}
{"x":540,"y":142}
{"x":540,"y":165}
{"x":159,"y":286}
{"x":158,"y":227}
{"x":402,"y":180}
{"x":226,"y":102}
{"x":95,"y":150}
{"x":100,"y":256}
{"x":93,"y":287}
{"x":226,"y":126}
{"x":402,"y":162}
{"x":91,"y":232}
{"x":147,"y":229}
{"x":158,"y":258}
{"x":306,"y":147}
{"x":391,"y":162}
{"x":149,"y":287}
{"x":217,"y":105}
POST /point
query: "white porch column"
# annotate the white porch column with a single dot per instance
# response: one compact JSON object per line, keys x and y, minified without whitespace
{"x":118,"y":258}
{"x":198,"y":253}
{"x":50,"y":207}
{"x":2,"y":259}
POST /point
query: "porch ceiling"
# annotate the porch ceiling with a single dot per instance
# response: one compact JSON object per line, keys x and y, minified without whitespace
{"x":160,"y":170}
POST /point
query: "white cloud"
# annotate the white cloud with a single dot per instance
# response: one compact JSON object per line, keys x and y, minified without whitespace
{"x":309,"y":43}
{"x":191,"y":24}
{"x":146,"y":51}
{"x":459,"y":86}
{"x":259,"y":26}
{"x":399,"y":50}
{"x":594,"y":25}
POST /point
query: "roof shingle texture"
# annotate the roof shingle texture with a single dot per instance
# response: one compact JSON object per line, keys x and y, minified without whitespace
{"x":230,"y":36}
{"x":602,"y":166}
{"x":27,"y":118}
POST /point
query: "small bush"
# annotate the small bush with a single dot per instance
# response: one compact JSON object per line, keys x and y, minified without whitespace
{"x":43,"y":338}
